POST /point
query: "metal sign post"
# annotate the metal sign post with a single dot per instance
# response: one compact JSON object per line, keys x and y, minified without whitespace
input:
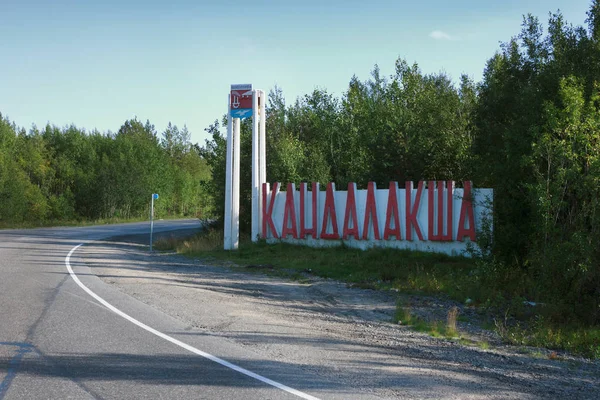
{"x":154,"y":197}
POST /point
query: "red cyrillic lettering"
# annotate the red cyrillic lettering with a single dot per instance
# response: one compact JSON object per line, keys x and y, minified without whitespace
{"x":466,"y":215}
{"x":392,"y":212}
{"x":329,"y":212}
{"x":289,"y":212}
{"x":447,"y":237}
{"x":304,"y":231}
{"x":411,"y":212}
{"x":351,"y":213}
{"x":371,"y":213}
{"x":431,"y":235}
{"x":268,"y":212}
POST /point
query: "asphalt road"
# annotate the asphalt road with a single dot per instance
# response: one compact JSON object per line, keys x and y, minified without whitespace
{"x":57,"y":341}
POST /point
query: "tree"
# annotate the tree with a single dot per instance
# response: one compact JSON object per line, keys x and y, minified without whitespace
{"x":537,"y":143}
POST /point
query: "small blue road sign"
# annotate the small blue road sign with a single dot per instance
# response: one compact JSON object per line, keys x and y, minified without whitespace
{"x":155,"y":196}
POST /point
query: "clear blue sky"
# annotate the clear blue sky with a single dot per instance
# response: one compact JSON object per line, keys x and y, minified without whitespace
{"x":97,"y":63}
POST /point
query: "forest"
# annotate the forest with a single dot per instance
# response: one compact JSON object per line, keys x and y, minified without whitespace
{"x":66,"y":175}
{"x":530,"y":130}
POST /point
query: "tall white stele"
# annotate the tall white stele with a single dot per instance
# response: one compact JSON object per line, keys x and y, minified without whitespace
{"x":227,"y":229}
{"x":259,"y":168}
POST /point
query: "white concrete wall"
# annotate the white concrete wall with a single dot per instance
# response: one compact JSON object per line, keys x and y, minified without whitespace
{"x":482,"y":202}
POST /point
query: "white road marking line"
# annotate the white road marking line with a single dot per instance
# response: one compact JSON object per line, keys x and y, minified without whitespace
{"x":178,"y":342}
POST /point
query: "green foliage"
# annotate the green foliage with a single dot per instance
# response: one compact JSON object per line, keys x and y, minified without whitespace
{"x":538,"y":144}
{"x":215,"y":154}
{"x":67,"y":174}
{"x":413,"y":127}
{"x":577,"y":339}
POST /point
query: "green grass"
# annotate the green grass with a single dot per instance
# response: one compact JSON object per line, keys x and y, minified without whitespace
{"x":448,"y":329}
{"x":483,"y":345}
{"x":74,"y":222}
{"x":582,"y":340}
{"x":404,"y":271}
{"x":81,"y":222}
{"x":403,"y":316}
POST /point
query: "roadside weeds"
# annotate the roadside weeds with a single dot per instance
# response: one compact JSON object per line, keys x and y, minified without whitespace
{"x":452,"y":280}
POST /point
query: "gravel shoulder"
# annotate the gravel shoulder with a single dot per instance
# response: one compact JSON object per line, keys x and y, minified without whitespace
{"x":340,"y":333}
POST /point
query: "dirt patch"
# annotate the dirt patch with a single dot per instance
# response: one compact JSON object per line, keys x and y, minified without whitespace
{"x":341,"y":333}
